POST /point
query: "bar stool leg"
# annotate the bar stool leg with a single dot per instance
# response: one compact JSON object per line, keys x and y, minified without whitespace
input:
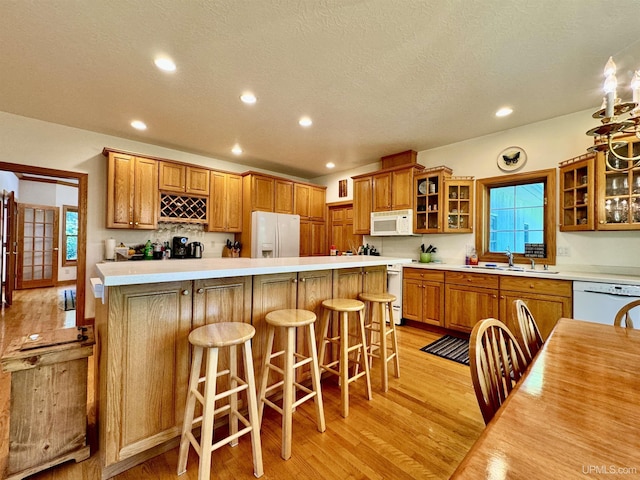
{"x":394,"y":340}
{"x":315,"y":379}
{"x":383,"y":347}
{"x":189,"y":409}
{"x":324,"y":330}
{"x":365,"y":363}
{"x":344,"y":362}
{"x":287,"y":394}
{"x":233,"y":400}
{"x":265,"y":371}
{"x":206,"y":438}
{"x":254,"y":419}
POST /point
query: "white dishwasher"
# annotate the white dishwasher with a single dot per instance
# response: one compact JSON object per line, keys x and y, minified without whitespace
{"x":394,"y":287}
{"x":599,"y":302}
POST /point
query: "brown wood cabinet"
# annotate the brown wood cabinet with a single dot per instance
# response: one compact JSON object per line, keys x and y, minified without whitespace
{"x":143,"y":368}
{"x":577,"y":194}
{"x":313,"y":238}
{"x":270,"y":292}
{"x":548,"y":300}
{"x":398,"y":159}
{"x":423,"y":296}
{"x":261,"y":192}
{"x":362,"y":204}
{"x":458,"y":203}
{"x":283,"y":201}
{"x":469,"y":298}
{"x":351,"y":282}
{"x":429,"y":198}
{"x":132,"y":191}
{"x":176,"y":177}
{"x":225,"y":202}
{"x":309,"y":201}
{"x":393,"y":190}
{"x":317,"y":203}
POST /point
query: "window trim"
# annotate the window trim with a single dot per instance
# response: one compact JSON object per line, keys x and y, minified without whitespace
{"x":65,"y":209}
{"x":482,"y":214}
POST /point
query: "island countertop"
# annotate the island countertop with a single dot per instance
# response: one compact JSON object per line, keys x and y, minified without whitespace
{"x":153,"y":271}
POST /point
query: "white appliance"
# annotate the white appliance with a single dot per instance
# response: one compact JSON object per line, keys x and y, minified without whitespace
{"x":275,"y":235}
{"x":394,"y":287}
{"x":599,"y":302}
{"x":392,"y":223}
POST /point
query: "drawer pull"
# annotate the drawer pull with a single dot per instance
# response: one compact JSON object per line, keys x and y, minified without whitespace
{"x":201,"y":290}
{"x":185,"y":292}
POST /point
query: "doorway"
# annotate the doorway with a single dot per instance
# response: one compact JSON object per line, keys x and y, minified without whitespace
{"x":18,"y":262}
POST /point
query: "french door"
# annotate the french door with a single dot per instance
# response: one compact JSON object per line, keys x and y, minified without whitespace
{"x":37,"y":246}
{"x":9,"y":244}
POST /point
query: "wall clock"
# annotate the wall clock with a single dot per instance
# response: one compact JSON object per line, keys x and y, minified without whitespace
{"x":511,"y":159}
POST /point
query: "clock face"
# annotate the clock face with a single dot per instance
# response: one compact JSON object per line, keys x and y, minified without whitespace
{"x":511,"y":159}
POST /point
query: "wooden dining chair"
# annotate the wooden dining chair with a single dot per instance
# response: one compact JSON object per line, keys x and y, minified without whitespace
{"x":497,"y":364}
{"x":531,"y":338}
{"x":625,"y":313}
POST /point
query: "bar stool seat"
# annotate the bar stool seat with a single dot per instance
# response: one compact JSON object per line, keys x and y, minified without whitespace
{"x":344,"y":306}
{"x":209,"y":339}
{"x":375,"y":322}
{"x":290,"y":320}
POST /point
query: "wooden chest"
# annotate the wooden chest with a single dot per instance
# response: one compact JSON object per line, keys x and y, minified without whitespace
{"x":48,"y":412}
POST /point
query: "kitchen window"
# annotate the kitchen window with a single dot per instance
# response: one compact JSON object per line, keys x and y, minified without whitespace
{"x":69,"y":236}
{"x":514,"y":210}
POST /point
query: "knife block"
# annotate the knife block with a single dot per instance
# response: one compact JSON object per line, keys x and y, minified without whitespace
{"x":48,"y":412}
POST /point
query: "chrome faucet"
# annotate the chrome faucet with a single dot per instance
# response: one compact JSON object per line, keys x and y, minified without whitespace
{"x":533,"y":264}
{"x":509,"y":257}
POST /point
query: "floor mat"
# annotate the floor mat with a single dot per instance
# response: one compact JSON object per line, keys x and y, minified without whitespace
{"x":451,"y":348}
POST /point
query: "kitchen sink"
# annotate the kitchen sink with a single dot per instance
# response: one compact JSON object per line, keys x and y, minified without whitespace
{"x":507,"y":269}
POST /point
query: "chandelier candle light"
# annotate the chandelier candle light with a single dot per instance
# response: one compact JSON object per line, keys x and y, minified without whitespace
{"x":607,"y":137}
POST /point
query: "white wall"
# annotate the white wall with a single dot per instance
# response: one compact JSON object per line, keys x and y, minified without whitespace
{"x":9,"y":183}
{"x":32,"y":142}
{"x":546,"y":143}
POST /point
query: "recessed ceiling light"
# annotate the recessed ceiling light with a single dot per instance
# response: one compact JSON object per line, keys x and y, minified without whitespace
{"x":248,"y":98}
{"x":236,"y":150}
{"x":165,"y":64}
{"x":330,"y":165}
{"x":138,"y":125}
{"x":504,"y":111}
{"x":305,"y":122}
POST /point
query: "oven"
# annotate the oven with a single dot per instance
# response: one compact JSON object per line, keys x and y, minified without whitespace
{"x":394,"y":287}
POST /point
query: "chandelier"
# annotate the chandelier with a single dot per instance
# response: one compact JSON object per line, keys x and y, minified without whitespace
{"x":610,"y":136}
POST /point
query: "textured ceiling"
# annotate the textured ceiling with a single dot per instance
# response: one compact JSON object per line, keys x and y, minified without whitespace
{"x":377,"y":77}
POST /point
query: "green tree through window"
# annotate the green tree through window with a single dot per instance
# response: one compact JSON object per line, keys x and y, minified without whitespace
{"x":70,"y":234}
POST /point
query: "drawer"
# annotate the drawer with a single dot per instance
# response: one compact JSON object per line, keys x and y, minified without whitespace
{"x":423,"y":274}
{"x":560,"y":288}
{"x":485,"y":280}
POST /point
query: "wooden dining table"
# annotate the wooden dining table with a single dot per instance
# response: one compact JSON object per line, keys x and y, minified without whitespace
{"x":576,"y":413}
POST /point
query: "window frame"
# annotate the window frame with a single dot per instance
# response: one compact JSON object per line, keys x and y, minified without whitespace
{"x":65,"y":209}
{"x":548,"y":177}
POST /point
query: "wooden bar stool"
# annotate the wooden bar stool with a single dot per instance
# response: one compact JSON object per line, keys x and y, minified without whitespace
{"x":345,"y":306}
{"x":211,"y":338}
{"x":290,"y":320}
{"x":376,"y":322}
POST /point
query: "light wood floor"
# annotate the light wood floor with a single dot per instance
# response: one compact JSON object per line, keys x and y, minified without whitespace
{"x":421,"y":428}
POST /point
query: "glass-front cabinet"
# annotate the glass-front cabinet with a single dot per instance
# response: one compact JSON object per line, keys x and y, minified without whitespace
{"x":618,"y":192}
{"x":458,"y":204}
{"x":429,"y":207}
{"x":577,"y":193}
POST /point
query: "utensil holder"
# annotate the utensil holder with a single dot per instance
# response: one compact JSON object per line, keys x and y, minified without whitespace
{"x":425,"y":257}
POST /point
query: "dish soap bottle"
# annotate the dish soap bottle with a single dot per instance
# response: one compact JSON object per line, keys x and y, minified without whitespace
{"x":148,"y":250}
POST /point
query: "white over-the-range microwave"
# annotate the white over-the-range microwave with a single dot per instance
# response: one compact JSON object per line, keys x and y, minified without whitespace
{"x":392,"y":223}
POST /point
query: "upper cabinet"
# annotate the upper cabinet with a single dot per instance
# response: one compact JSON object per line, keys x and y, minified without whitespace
{"x":393,"y":190}
{"x":618,"y":193}
{"x":261,"y":193}
{"x":362,"y":202}
{"x":577,"y":184}
{"x":283,"y":200}
{"x":458,"y":204}
{"x":226,"y":202}
{"x":132,"y":191}
{"x":429,"y":198}
{"x":309,"y":201}
{"x":175,"y":177}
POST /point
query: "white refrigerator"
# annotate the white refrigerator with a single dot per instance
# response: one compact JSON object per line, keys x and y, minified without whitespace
{"x":275,"y":235}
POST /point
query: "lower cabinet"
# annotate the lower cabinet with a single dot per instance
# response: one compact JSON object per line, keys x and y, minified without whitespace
{"x":547,"y":299}
{"x":423,"y":296}
{"x":144,"y":360}
{"x":470,"y":297}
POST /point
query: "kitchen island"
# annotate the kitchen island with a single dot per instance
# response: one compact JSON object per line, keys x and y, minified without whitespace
{"x":148,"y":308}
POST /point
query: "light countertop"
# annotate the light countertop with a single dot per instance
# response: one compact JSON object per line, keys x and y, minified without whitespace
{"x":153,"y":271}
{"x":552,"y":274}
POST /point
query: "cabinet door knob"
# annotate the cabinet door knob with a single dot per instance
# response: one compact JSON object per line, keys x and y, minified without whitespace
{"x":130,"y":223}
{"x":303,"y":280}
{"x":532,"y":286}
{"x":295,"y":280}
{"x":201,"y":290}
{"x":494,"y":296}
{"x":185,"y":292}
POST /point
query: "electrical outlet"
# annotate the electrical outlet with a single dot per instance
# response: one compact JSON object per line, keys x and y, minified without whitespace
{"x":563,"y":252}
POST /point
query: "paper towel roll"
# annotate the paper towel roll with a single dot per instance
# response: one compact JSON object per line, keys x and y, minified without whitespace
{"x":110,"y":249}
